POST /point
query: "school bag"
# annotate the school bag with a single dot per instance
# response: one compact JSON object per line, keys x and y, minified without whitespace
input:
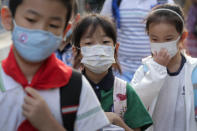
{"x":69,"y":99}
{"x":120,"y":97}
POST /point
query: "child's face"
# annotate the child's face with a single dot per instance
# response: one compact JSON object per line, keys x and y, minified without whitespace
{"x":97,"y":59}
{"x":162,"y":32}
{"x":98,"y":37}
{"x":48,"y":15}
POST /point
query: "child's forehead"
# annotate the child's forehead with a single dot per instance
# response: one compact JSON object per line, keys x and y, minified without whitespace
{"x":92,"y":30}
{"x":44,"y":7}
{"x":163,"y":28}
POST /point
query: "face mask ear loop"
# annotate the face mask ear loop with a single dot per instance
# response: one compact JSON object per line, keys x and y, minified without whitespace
{"x":14,"y":23}
{"x":78,"y":48}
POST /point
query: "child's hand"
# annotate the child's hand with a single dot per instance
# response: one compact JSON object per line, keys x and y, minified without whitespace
{"x":36,"y":110}
{"x":116,"y":120}
{"x":112,"y":117}
{"x":162,"y":58}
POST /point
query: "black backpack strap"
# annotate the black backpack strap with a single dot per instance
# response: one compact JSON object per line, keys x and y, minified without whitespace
{"x":119,"y":1}
{"x":69,"y":100}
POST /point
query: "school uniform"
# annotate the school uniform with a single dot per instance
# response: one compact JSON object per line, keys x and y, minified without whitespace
{"x":168,"y":96}
{"x":52,"y":75}
{"x":136,"y":115}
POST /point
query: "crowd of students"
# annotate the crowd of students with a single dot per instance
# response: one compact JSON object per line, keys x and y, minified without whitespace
{"x":40,"y":91}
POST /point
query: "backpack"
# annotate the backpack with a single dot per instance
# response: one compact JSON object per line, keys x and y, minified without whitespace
{"x":69,"y":99}
{"x":120,"y":97}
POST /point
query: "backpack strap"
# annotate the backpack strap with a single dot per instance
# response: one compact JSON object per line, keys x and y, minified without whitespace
{"x":120,"y":96}
{"x":194,"y":82}
{"x":70,"y":98}
{"x":118,"y":2}
{"x":2,"y":89}
{"x":116,"y":11}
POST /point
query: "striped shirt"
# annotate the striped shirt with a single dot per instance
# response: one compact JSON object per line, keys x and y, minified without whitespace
{"x":134,"y":42}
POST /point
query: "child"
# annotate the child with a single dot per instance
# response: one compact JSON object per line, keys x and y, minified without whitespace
{"x":94,"y":39}
{"x":164,"y":82}
{"x":64,"y":52}
{"x":37,"y":27}
{"x":134,"y":45}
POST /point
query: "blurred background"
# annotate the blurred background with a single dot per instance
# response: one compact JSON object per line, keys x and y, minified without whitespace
{"x":96,"y":5}
{"x":85,"y":6}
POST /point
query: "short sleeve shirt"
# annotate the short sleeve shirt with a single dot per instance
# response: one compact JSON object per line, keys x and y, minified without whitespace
{"x":136,"y":115}
{"x":90,"y":115}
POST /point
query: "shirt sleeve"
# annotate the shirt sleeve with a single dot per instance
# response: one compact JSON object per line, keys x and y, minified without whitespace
{"x":90,"y":115}
{"x":148,"y":83}
{"x":136,"y":115}
{"x":171,"y":1}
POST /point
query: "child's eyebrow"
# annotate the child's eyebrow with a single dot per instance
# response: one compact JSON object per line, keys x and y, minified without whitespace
{"x":36,"y":13}
{"x":104,"y":36}
{"x":56,"y":18}
{"x":33,"y":12}
{"x":153,"y":35}
{"x":169,"y":35}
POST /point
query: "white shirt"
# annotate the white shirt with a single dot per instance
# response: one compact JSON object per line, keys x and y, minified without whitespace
{"x":90,"y":116}
{"x":170,"y":111}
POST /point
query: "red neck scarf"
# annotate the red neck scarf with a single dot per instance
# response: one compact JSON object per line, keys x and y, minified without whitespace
{"x":52,"y":74}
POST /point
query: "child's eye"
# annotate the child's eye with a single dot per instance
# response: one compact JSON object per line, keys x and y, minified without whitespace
{"x":155,"y":40}
{"x":54,"y":26}
{"x":106,"y":42}
{"x":169,"y":39}
{"x":88,"y":43}
{"x":31,"y":20}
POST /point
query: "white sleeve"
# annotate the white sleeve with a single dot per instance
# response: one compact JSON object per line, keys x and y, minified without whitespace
{"x":171,"y":1}
{"x":90,"y":115}
{"x":148,"y":84}
{"x":107,"y":8}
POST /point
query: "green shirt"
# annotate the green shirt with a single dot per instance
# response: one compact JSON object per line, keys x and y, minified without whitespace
{"x":136,"y":115}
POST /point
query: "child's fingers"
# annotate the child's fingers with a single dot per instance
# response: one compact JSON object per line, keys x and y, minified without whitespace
{"x":27,"y":108}
{"x":32,"y":92}
{"x":25,"y":113}
{"x":155,"y":53}
{"x":29,"y":100}
{"x":163,"y":52}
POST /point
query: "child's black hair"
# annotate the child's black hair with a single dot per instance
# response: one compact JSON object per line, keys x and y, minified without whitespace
{"x":166,"y":16}
{"x":13,"y":4}
{"x":92,"y":21}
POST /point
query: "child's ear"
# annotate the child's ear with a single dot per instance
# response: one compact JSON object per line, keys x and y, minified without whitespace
{"x":77,"y":18}
{"x":6,"y":18}
{"x":184,"y":36}
{"x":117,"y":47}
{"x":74,"y":49}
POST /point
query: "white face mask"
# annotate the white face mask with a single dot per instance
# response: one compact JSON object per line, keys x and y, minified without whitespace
{"x":97,"y":58}
{"x":171,"y":47}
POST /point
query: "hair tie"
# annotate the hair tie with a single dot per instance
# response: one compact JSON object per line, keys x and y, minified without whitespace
{"x":172,"y":11}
